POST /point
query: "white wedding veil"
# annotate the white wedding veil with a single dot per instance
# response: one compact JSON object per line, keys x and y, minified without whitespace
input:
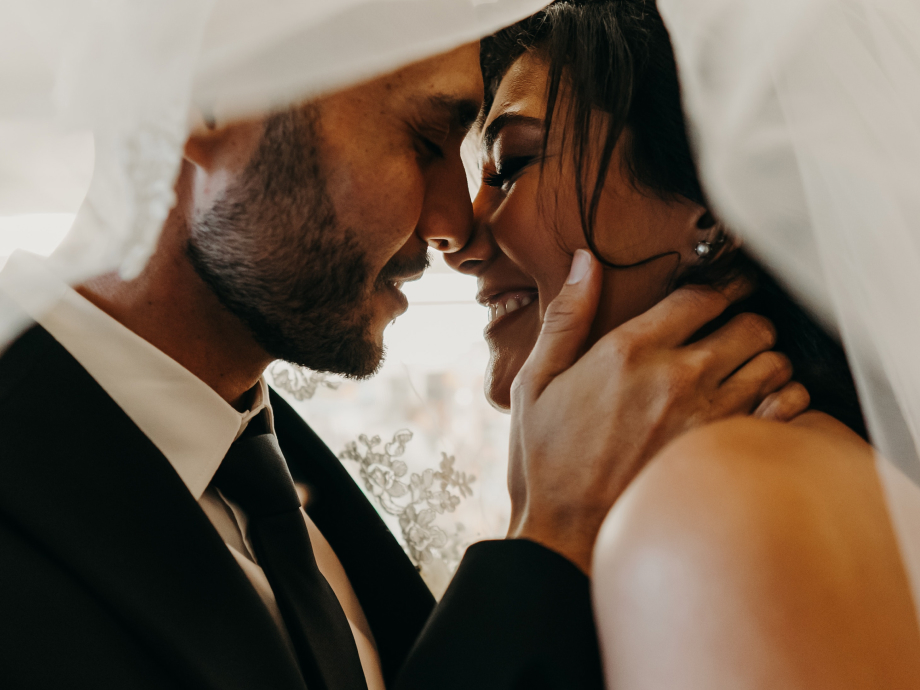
{"x":133,"y":73}
{"x":805,"y":116}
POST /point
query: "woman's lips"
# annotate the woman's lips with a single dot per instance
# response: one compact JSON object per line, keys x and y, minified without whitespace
{"x":508,"y":302}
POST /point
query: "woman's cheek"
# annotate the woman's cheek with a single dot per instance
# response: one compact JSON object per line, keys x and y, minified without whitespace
{"x":545,"y":232}
{"x":508,"y":350}
{"x":535,"y":234}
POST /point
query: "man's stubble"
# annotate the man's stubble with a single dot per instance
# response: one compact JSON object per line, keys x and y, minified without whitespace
{"x":275,"y":255}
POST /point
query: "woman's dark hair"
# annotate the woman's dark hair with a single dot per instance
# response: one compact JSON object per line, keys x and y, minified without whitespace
{"x":615,"y":56}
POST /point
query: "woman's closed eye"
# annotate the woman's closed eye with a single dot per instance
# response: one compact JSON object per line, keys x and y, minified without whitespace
{"x":507,"y":172}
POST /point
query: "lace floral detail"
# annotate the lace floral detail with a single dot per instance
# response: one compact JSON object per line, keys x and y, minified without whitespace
{"x":150,"y":159}
{"x":299,"y":381}
{"x":416,"y":502}
{"x":126,"y":72}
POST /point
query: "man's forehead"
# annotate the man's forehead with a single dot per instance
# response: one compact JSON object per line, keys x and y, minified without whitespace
{"x":445,"y":89}
{"x":445,"y":80}
{"x":462,"y":110}
{"x":460,"y":64}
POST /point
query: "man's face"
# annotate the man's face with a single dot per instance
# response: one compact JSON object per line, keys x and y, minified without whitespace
{"x":306,"y":224}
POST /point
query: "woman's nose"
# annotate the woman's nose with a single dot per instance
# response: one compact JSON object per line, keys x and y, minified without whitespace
{"x":480,"y":249}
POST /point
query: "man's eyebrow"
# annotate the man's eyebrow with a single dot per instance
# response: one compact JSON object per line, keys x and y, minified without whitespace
{"x":463,"y":111}
{"x":496,"y":126}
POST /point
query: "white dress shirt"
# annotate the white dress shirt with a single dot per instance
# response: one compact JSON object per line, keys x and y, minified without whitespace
{"x":184,"y":418}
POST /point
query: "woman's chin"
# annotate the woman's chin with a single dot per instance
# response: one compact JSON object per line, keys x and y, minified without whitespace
{"x":498,"y":380}
{"x":499,"y":399}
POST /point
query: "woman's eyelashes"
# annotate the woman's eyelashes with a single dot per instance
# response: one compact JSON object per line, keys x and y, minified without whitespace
{"x":507,"y":171}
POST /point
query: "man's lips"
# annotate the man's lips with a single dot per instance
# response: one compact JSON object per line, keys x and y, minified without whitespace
{"x":393,"y":285}
{"x":398,"y":281}
{"x":400,"y":269}
{"x":411,"y":278}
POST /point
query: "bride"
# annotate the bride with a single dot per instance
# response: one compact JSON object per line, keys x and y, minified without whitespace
{"x":748,"y":553}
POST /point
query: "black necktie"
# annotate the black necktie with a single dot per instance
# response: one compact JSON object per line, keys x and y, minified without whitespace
{"x":255,"y":475}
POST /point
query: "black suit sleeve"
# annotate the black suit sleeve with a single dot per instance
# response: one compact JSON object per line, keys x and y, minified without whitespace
{"x":515,"y":616}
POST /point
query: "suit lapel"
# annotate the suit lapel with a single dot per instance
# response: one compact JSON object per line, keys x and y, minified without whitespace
{"x":83,"y":481}
{"x":395,"y":599}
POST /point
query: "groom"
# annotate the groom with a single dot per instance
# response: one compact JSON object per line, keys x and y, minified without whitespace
{"x":147,"y":534}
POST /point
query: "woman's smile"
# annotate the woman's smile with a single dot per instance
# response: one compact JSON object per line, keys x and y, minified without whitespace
{"x":503,"y":302}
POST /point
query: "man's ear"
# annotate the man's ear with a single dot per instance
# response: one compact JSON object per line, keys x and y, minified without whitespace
{"x":202,"y":146}
{"x":197,"y":149}
{"x":229,"y":145}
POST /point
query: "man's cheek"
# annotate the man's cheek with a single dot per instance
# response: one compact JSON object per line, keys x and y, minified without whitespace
{"x":393,"y":206}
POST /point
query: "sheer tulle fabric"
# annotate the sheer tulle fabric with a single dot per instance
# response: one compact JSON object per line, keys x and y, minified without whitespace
{"x":805,"y":116}
{"x":133,"y":73}
{"x":806,"y":119}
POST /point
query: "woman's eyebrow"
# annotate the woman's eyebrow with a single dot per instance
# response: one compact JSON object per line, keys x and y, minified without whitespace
{"x":496,"y":126}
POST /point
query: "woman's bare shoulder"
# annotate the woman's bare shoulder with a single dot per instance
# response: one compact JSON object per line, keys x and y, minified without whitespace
{"x":748,"y":542}
{"x":759,"y":470}
{"x":750,"y":493}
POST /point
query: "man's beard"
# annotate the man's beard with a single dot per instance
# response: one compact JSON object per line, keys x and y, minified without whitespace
{"x":274,"y":254}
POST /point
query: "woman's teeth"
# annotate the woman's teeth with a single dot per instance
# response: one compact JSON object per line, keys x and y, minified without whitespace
{"x":496,"y":311}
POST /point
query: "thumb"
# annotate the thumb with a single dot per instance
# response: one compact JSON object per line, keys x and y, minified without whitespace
{"x":566,"y":325}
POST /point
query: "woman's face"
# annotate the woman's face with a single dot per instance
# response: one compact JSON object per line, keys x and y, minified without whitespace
{"x":528,"y":229}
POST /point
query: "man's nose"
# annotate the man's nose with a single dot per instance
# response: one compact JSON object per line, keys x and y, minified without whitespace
{"x":447,"y":217}
{"x":479,"y":252}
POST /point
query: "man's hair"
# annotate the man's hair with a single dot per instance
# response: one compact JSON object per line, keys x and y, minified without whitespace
{"x":615,"y":57}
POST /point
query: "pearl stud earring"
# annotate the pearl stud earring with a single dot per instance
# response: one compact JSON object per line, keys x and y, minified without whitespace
{"x":703,"y":249}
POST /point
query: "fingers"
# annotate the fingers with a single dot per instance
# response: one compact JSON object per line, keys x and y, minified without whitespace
{"x":565,"y":328}
{"x":728,"y":348}
{"x":785,"y":404}
{"x":767,"y":373}
{"x":685,"y":311}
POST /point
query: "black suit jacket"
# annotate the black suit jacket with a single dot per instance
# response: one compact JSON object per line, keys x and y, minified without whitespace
{"x":111,"y":576}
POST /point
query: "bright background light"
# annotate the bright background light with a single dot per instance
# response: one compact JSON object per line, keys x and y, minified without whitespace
{"x":431,"y":384}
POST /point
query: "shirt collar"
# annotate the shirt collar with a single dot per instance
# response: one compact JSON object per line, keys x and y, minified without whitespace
{"x":184,"y":417}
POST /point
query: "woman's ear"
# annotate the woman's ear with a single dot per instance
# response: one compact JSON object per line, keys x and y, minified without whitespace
{"x":706,"y":220}
{"x":712,"y":239}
